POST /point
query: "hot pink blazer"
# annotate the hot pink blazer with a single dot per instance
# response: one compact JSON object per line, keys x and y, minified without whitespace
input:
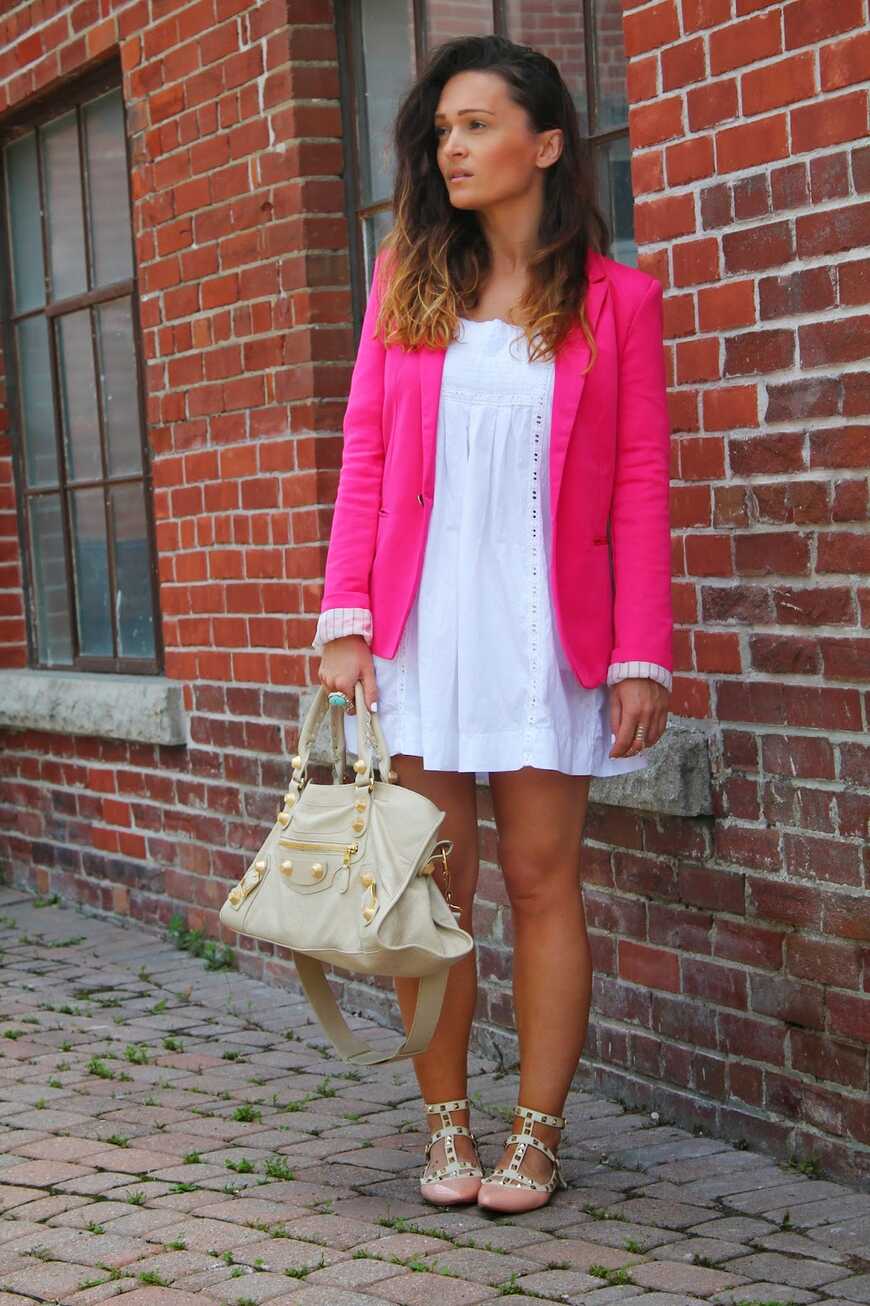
{"x":610,"y":575}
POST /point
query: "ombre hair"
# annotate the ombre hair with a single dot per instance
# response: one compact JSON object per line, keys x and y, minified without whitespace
{"x":437,"y":255}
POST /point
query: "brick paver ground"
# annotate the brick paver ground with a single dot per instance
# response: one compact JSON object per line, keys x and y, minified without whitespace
{"x":178,"y":1134}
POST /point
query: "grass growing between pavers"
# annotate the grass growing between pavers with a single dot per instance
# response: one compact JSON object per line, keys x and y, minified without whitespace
{"x":162,"y":1044}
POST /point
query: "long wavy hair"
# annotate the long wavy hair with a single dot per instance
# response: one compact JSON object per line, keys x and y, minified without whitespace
{"x":438,"y":257}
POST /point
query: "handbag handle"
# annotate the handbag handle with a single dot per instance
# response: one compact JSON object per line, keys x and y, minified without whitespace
{"x":370,"y":738}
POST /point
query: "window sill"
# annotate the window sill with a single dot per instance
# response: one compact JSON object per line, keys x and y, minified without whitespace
{"x":144,"y":709}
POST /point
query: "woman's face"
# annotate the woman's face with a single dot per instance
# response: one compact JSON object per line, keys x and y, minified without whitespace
{"x":488,"y":151}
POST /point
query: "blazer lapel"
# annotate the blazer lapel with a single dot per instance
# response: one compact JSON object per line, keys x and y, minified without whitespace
{"x":572,"y":360}
{"x":569,"y":379}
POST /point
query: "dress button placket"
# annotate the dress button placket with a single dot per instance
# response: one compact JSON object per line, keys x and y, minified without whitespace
{"x":536,"y":552}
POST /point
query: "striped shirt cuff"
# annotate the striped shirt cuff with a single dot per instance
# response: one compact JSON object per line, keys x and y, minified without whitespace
{"x":336,"y":622}
{"x":645,"y":670}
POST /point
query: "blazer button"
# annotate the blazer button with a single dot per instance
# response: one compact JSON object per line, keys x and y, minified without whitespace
{"x":420,"y":499}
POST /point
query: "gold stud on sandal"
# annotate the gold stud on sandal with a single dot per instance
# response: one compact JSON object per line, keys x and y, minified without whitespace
{"x":455,"y":1181}
{"x":506,"y":1188}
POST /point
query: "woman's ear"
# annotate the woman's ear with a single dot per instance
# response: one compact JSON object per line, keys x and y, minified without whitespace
{"x":549,"y":147}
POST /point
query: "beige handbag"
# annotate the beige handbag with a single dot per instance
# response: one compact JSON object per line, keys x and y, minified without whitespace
{"x":345,"y":876}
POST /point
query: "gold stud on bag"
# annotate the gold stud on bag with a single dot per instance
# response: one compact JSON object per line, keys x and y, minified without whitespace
{"x":347,"y":877}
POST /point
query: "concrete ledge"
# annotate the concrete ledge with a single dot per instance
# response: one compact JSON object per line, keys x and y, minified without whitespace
{"x":146,"y":709}
{"x":677,"y":781}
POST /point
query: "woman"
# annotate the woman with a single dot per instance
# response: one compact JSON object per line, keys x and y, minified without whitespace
{"x":505,"y":435}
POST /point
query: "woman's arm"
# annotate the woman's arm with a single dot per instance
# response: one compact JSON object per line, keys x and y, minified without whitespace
{"x":640,"y":515}
{"x":642,"y":657}
{"x":355,"y":520}
{"x":618,"y":671}
{"x":337,"y":622}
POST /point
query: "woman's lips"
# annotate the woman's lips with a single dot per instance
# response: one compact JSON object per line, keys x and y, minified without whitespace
{"x":463,"y":176}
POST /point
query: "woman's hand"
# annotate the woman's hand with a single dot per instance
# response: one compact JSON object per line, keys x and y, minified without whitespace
{"x":637,"y":702}
{"x":345,"y":661}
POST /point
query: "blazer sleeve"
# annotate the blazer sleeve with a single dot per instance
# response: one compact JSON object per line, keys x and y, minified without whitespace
{"x":355,"y":519}
{"x":640,"y":509}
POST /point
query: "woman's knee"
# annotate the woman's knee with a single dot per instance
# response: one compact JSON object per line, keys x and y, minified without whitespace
{"x":539,"y":874}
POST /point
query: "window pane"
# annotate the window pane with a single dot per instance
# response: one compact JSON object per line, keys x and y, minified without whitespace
{"x":22,"y":182}
{"x":375,"y":227}
{"x":556,"y":29}
{"x":387,"y":42}
{"x":37,"y":413}
{"x":133,"y":609}
{"x":109,"y":196}
{"x":117,"y":363}
{"x":614,"y":177}
{"x":63,"y":191}
{"x":91,"y":568}
{"x":79,"y":397}
{"x":609,"y":57}
{"x":446,"y":19}
{"x":49,"y":574}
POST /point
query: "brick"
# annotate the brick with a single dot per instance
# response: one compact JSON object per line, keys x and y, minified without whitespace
{"x":807,"y":22}
{"x":789,"y":187}
{"x":824,"y":961}
{"x":725,"y":986}
{"x":824,"y":605}
{"x":752,"y":197}
{"x":846,"y":447}
{"x":810,"y":290}
{"x":747,"y":1036}
{"x":829,"y":122}
{"x":683,"y":63}
{"x":647,"y":171}
{"x":695,"y":261}
{"x":788,"y":1000}
{"x":844,"y":551}
{"x":845,"y":340}
{"x":760,"y":141}
{"x":730,"y":305}
{"x":849,"y":1015}
{"x":739,"y":43}
{"x":844,"y":62}
{"x":759,"y":248}
{"x":650,"y":29}
{"x":711,"y":104}
{"x":661,"y":120}
{"x":779,"y":84}
{"x":758,"y":352}
{"x":749,"y":944}
{"x":766,"y":553}
{"x":663,"y":219}
{"x":655,"y":968}
{"x":699,"y":14}
{"x":827,"y":1058}
{"x":728,"y":408}
{"x":834,"y":231}
{"x":791,"y":904}
{"x":698,"y":360}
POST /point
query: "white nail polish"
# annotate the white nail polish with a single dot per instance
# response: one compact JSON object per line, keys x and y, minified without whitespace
{"x":374,"y":707}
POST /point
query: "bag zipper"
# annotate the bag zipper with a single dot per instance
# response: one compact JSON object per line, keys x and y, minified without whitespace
{"x":348,"y":849}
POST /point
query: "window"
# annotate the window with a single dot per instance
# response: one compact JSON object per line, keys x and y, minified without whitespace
{"x":72,"y":349}
{"x":384,"y":42}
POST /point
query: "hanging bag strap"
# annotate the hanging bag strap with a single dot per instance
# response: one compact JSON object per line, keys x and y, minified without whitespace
{"x":370,"y":739}
{"x":430,"y":998}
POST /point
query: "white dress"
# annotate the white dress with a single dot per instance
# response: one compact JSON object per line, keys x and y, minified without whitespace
{"x":480,"y":681}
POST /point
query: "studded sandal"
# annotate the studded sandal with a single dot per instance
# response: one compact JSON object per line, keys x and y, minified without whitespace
{"x":457,"y":1180}
{"x":506,"y":1188}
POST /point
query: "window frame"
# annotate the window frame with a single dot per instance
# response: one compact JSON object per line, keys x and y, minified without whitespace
{"x":108,"y":77}
{"x":349,"y":60}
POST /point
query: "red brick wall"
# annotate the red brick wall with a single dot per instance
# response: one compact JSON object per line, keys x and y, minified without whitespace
{"x":741,"y":966}
{"x":238,"y":215}
{"x":731,"y":954}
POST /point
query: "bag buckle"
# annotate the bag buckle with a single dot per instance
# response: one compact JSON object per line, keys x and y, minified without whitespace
{"x":440,"y":853}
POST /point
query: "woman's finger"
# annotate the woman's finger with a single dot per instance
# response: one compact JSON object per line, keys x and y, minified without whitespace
{"x":625,"y":733}
{"x":644,"y":723}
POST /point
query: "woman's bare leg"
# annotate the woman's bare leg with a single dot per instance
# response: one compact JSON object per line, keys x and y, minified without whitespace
{"x":540,"y":817}
{"x":442,"y":1069}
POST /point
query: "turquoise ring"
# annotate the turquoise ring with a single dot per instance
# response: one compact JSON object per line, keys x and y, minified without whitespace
{"x":339,"y":700}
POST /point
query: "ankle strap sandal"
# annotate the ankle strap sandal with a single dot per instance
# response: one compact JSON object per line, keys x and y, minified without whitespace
{"x":454,"y":1167}
{"x":509,"y":1176}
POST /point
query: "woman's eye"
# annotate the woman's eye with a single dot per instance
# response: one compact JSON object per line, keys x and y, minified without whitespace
{"x":439,"y":131}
